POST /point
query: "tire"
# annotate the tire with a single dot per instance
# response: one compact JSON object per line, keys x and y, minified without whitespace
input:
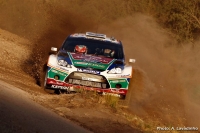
{"x":122,"y":97}
{"x":44,"y":83}
{"x":50,"y":91}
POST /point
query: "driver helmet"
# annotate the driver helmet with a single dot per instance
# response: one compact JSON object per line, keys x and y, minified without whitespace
{"x":80,"y":49}
{"x":107,"y":52}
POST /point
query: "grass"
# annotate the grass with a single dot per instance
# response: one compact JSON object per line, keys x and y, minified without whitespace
{"x":117,"y":106}
{"x":111,"y":101}
{"x":108,"y":99}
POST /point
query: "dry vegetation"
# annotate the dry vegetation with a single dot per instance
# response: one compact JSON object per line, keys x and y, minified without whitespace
{"x":181,"y":17}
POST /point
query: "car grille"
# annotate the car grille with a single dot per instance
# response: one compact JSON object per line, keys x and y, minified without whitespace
{"x":92,"y":76}
{"x":87,"y":79}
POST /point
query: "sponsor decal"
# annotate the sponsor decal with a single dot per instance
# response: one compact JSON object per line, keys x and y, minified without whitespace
{"x":59,"y":83}
{"x":88,"y":71}
{"x":115,"y":90}
{"x":60,"y":73}
{"x":90,"y":79}
{"x":60,"y":87}
{"x":90,"y":58}
{"x":82,"y":63}
{"x":96,"y":65}
{"x":54,"y":71}
{"x":117,"y":81}
{"x":63,"y":68}
{"x":51,"y":82}
{"x":125,"y":75}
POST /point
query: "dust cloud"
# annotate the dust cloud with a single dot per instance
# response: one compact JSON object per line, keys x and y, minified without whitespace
{"x":165,"y":84}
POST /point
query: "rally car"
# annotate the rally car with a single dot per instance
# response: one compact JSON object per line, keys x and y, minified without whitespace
{"x":89,"y":61}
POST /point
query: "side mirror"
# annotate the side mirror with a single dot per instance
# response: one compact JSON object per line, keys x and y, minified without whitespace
{"x":132,"y":60}
{"x":53,"y":49}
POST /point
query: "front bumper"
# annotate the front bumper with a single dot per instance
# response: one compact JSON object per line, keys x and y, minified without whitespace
{"x":71,"y":81}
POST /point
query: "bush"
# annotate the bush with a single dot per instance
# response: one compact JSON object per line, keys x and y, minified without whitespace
{"x":182,"y":17}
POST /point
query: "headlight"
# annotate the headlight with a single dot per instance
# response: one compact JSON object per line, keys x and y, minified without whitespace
{"x":115,"y":71}
{"x":63,"y":63}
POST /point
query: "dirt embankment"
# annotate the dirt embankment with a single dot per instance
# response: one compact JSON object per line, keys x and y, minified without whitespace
{"x":165,"y":85}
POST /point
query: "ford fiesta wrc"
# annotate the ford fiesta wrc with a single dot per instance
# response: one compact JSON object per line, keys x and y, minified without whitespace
{"x":89,"y":61}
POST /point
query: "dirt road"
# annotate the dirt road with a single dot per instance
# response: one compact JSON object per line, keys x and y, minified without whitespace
{"x":19,"y":114}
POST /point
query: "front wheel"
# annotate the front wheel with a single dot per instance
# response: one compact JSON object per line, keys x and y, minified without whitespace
{"x":50,"y":91}
{"x":122,"y":96}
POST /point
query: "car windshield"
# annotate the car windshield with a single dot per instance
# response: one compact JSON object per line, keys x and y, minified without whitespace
{"x":95,"y":47}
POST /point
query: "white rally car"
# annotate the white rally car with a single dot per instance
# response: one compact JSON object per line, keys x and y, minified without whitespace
{"x":89,"y":61}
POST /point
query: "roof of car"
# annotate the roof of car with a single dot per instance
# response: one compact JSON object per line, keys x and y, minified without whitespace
{"x":95,"y":36}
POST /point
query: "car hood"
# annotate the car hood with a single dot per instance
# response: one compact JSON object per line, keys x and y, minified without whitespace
{"x":90,"y":61}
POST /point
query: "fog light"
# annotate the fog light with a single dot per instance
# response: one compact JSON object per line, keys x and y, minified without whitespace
{"x":118,"y":86}
{"x":56,"y":77}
